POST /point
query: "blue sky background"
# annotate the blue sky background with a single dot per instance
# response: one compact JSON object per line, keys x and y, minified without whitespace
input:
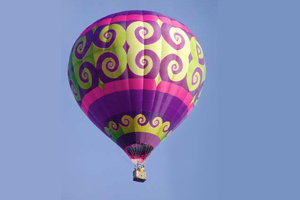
{"x":245,"y":127}
{"x":185,"y":165}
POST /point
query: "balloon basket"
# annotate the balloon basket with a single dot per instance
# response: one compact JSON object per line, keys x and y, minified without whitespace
{"x":139,"y":174}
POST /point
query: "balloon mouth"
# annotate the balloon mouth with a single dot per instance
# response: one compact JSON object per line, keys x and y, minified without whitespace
{"x":138,"y":153}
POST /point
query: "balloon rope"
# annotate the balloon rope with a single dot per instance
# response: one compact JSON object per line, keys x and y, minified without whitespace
{"x":147,"y":150}
{"x":133,"y":153}
{"x":137,"y":152}
{"x":130,"y":151}
{"x":140,"y":150}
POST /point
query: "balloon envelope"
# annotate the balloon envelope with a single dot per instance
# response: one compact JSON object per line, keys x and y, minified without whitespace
{"x":137,"y":75}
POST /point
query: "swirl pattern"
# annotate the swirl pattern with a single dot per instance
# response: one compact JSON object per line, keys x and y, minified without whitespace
{"x":83,"y":45}
{"x":196,"y":72}
{"x":200,"y":54}
{"x":166,"y":127}
{"x":150,"y":49}
{"x":144,"y":61}
{"x":139,"y":123}
{"x":156,"y":121}
{"x":194,"y":78}
{"x":108,"y":65}
{"x":172,"y":68}
{"x":173,"y":36}
{"x":104,"y":38}
{"x":108,"y":132}
{"x":112,"y":125}
{"x":126,"y":120}
{"x":86,"y":75}
{"x":140,"y":119}
{"x":147,"y":33}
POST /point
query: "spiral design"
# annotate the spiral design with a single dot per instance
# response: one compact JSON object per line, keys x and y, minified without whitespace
{"x":125,"y":121}
{"x":196,"y":51}
{"x":140,"y":119}
{"x":148,"y":33}
{"x":108,"y":132}
{"x":104,"y":37}
{"x":173,"y":37}
{"x":200,"y":54}
{"x":172,"y":68}
{"x":161,"y":51}
{"x":141,"y":61}
{"x":82,"y":45}
{"x":113,"y":125}
{"x":146,"y":63}
{"x":166,"y":126}
{"x":86,"y":75}
{"x":108,"y":66}
{"x":156,"y":121}
{"x":196,"y":76}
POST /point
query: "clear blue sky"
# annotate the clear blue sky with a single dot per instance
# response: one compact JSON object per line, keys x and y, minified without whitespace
{"x":95,"y":168}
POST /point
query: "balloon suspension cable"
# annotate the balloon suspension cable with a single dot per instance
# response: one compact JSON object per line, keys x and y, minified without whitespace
{"x":139,"y":165}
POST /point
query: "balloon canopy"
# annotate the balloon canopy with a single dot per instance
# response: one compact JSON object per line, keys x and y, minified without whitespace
{"x":137,"y":75}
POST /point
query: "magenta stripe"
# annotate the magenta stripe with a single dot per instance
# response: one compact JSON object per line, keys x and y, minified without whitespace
{"x":136,"y":17}
{"x":175,"y":90}
{"x":136,"y":84}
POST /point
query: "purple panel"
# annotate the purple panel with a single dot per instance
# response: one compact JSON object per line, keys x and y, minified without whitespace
{"x":138,"y":138}
{"x":150,"y":103}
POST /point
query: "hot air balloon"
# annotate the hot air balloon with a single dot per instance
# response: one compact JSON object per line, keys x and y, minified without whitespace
{"x":137,"y":75}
